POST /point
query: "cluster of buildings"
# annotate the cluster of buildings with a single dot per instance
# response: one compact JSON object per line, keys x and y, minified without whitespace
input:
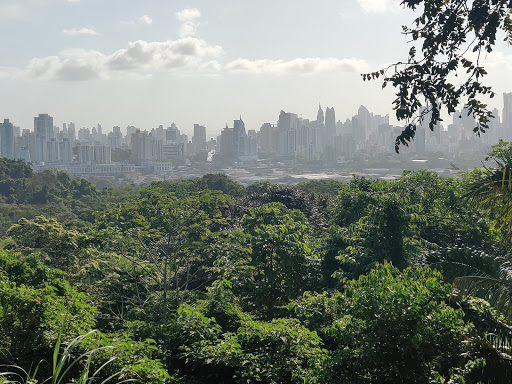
{"x":88,"y":151}
{"x":365,"y":133}
{"x":320,"y":139}
{"x":292,"y":137}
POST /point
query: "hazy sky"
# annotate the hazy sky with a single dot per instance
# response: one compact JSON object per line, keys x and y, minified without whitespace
{"x":151,"y":62}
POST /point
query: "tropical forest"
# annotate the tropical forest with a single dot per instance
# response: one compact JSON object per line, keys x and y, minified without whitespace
{"x":208,"y":281}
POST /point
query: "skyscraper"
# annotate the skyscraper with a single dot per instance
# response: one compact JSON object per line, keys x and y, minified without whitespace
{"x":287,"y":137}
{"x":52,"y":151}
{"x":320,"y":115}
{"x":43,"y":130}
{"x":507,"y":116}
{"x":239,"y":135}
{"x":43,"y":125}
{"x":7,"y":139}
{"x":199,"y":138}
{"x":65,"y":151}
{"x":71,"y":132}
{"x":364,"y":118}
{"x":330,"y":125}
{"x":172,"y":133}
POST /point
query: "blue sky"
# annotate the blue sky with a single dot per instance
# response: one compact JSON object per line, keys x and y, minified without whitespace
{"x":151,"y":62}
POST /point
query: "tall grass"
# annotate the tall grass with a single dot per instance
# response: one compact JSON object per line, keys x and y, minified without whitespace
{"x":62,"y":365}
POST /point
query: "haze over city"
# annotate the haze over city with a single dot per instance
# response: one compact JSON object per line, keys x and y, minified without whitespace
{"x":148,"y":63}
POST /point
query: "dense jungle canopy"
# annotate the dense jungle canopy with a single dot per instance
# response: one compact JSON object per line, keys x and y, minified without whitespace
{"x":204,"y":280}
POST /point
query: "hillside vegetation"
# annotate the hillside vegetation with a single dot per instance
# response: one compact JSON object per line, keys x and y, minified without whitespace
{"x":207,"y":281}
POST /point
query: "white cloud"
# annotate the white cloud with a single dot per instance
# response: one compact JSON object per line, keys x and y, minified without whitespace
{"x":139,"y":59}
{"x":379,"y":6}
{"x":145,"y":20}
{"x":80,"y":32}
{"x":299,"y":66}
{"x":188,"y":14}
{"x":73,"y":1}
{"x":496,"y":59}
{"x":70,"y":65}
{"x":189,"y":21}
{"x":188,"y":52}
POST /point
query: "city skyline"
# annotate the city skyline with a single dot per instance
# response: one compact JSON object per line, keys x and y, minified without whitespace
{"x":214,"y":132}
{"x":318,"y":142}
{"x":149,"y":63}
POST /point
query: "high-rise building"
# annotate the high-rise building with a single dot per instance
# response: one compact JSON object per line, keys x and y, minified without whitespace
{"x":115,"y":137}
{"x":199,"y":138}
{"x":239,"y":136}
{"x":268,"y":137}
{"x":84,"y":135}
{"x":71,"y":132}
{"x":130,"y":130}
{"x":495,"y":128}
{"x":102,"y":154}
{"x":467,"y":121}
{"x":226,"y":147}
{"x":172,"y":133}
{"x":419,"y":140}
{"x":86,"y":153}
{"x":364,"y":122}
{"x":320,"y":115}
{"x":330,"y":125}
{"x":287,"y":136}
{"x":43,"y":126}
{"x":173,"y":150}
{"x":145,"y":147}
{"x":507,"y":116}
{"x":52,"y":151}
{"x":65,"y":151}
{"x":7,"y":140}
{"x":43,"y":131}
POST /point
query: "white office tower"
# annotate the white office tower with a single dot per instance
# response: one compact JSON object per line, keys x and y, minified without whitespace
{"x":43,"y":131}
{"x":199,"y":138}
{"x":84,"y":135}
{"x":102,"y":154}
{"x":52,"y":151}
{"x":507,"y":116}
{"x":71,"y":131}
{"x":40,"y":147}
{"x":330,"y":126}
{"x":7,"y":140}
{"x":43,"y":125}
{"x":65,"y":151}
{"x":115,"y":138}
{"x":86,"y":153}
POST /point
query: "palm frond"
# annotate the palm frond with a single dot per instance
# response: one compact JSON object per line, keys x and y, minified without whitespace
{"x":497,"y":291}
{"x":491,"y":192}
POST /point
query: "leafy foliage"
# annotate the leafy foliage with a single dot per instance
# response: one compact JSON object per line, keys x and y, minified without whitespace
{"x":491,"y":188}
{"x":452,"y":37}
{"x":36,"y":305}
{"x":49,"y":236}
{"x":387,"y":327}
{"x":167,"y":236}
{"x":26,"y":194}
{"x":207,"y":281}
{"x":280,"y":351}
